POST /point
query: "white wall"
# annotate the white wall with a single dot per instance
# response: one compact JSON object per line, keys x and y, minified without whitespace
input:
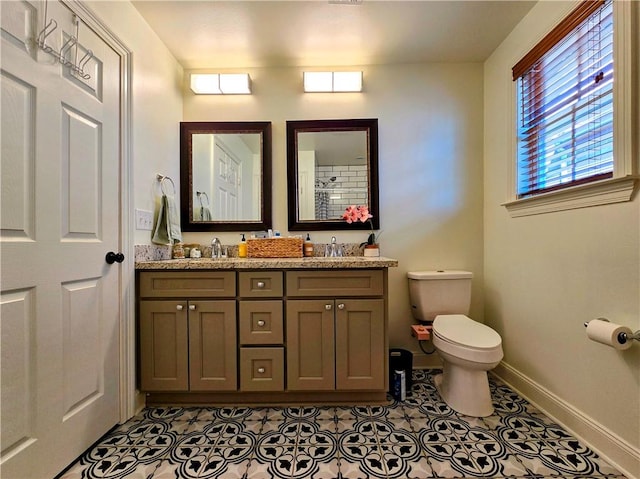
{"x":430,"y":139}
{"x":157,"y":105}
{"x":546,"y":275}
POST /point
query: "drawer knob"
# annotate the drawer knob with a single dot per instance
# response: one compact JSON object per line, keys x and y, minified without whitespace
{"x":341,"y":306}
{"x":327,"y":307}
{"x":179,"y":307}
{"x":192,"y":307}
{"x":260,"y":322}
{"x":261,"y":370}
{"x":260,"y":284}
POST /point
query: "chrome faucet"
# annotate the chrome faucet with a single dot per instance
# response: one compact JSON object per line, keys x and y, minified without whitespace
{"x":216,"y":248}
{"x":333,"y":248}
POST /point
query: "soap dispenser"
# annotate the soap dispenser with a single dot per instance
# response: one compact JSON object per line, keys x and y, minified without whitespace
{"x":242,"y":247}
{"x":307,"y":247}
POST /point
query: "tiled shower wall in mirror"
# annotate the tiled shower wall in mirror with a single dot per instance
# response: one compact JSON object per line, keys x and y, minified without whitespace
{"x":339,"y":186}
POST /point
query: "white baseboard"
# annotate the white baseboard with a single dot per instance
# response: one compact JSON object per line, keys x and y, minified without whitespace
{"x":615,"y":450}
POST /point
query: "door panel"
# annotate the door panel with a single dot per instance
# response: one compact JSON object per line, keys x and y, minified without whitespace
{"x":19,"y":25}
{"x":18,"y":157}
{"x":81,"y":315}
{"x":81,"y":172}
{"x":225,"y":183}
{"x":18,"y":398}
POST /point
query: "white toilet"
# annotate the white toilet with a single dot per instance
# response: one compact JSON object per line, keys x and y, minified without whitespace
{"x":468,"y":349}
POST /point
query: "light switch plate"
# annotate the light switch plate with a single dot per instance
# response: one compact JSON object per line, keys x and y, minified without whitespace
{"x":144,"y":220}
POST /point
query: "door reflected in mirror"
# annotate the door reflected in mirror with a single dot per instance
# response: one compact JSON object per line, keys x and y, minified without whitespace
{"x":226,"y":169}
{"x":331,"y":164}
{"x":225,"y":176}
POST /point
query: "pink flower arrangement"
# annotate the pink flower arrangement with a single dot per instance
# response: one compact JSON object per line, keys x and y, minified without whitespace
{"x":355,"y":213}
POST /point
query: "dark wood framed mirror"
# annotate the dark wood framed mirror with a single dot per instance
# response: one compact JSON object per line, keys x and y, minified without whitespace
{"x":331,"y":164}
{"x":225,"y":176}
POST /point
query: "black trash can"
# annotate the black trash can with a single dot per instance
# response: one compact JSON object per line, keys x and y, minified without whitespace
{"x":400,"y":360}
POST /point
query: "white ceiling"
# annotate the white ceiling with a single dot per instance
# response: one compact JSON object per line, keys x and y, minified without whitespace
{"x":261,"y":33}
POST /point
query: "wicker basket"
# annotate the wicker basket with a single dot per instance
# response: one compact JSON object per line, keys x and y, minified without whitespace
{"x":274,"y":248}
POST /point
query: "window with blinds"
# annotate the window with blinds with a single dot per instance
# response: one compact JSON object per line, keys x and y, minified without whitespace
{"x":565,"y":103}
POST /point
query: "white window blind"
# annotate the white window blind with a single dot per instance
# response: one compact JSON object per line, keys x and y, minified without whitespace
{"x":565,"y":104}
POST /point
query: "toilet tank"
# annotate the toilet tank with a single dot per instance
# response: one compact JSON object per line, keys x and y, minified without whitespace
{"x":439,"y":292}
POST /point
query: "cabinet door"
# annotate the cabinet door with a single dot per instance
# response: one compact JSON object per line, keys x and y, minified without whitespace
{"x":164,"y":347}
{"x":310,"y":345}
{"x":360,"y":344}
{"x":212,"y":346}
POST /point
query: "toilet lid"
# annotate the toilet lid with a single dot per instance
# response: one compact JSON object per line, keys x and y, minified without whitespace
{"x":457,"y":328}
{"x":442,"y":274}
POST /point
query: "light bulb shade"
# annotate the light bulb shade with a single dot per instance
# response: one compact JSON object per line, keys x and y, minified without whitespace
{"x":332,"y":82}
{"x":205,"y":83}
{"x":318,"y":81}
{"x":235,"y":83}
{"x":221,"y":83}
{"x":347,"y":81}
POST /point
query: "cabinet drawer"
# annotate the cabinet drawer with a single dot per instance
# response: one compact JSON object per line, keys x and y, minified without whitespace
{"x":335,"y":283}
{"x":261,"y":322}
{"x":260,"y":284}
{"x":183,"y":284}
{"x":262,"y":369}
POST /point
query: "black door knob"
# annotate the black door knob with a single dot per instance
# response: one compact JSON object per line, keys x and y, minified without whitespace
{"x":114,"y":257}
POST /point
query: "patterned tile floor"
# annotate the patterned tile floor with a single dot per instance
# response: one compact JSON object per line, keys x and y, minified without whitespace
{"x":418,"y":438}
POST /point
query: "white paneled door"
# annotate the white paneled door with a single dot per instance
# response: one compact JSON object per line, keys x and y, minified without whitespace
{"x":226,"y":184}
{"x":60,"y":207}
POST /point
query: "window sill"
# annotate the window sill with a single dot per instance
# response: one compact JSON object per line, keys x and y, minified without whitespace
{"x":615,"y":190}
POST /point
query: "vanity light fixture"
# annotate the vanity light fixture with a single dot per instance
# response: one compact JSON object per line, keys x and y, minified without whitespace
{"x":221,"y":83}
{"x":332,"y":82}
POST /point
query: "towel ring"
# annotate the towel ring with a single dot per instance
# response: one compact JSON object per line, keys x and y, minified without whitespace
{"x":200,"y":194}
{"x":161,"y":179}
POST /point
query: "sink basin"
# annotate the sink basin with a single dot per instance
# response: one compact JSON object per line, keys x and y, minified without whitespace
{"x":193,"y":261}
{"x":206,"y":259}
{"x":337,"y":258}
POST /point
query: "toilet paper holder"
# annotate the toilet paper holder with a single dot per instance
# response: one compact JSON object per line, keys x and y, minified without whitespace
{"x":622,"y":337}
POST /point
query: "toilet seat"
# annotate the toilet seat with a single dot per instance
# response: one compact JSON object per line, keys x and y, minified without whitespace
{"x":459,"y":329}
{"x":465,"y":338}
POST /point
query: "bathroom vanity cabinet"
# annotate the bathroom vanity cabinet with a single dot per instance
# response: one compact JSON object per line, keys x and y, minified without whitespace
{"x":263,"y":335}
{"x":335,"y":341}
{"x":187,"y":331}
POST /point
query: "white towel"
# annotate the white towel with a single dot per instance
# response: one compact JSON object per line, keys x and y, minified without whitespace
{"x":167,"y":229}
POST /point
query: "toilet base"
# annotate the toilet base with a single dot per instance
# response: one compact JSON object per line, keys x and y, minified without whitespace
{"x":465,"y":391}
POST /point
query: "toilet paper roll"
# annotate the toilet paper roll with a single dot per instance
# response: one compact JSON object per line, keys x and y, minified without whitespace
{"x":607,"y":333}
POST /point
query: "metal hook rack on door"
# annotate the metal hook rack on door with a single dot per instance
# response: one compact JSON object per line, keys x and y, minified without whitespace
{"x":61,"y":55}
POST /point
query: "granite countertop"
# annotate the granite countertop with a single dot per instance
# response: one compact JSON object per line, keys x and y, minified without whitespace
{"x":346,"y":262}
